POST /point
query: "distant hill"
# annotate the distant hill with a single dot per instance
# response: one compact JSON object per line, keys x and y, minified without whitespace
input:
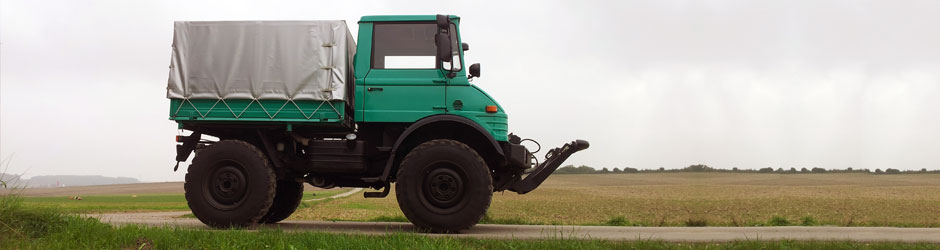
{"x":9,"y":179}
{"x":70,"y":180}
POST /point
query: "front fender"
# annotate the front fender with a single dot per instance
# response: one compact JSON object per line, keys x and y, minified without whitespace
{"x":429,"y":121}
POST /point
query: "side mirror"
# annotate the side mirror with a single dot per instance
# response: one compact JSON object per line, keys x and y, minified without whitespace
{"x":443,"y":22}
{"x":443,"y":39}
{"x":465,"y":46}
{"x":443,"y":47}
{"x":475,"y":70}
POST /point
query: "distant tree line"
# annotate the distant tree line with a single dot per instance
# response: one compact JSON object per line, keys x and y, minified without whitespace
{"x":571,"y":169}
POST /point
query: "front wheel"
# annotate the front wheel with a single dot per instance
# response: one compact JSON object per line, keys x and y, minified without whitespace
{"x":230,"y":184}
{"x":444,"y":186}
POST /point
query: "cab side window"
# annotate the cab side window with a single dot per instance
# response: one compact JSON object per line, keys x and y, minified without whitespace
{"x":404,"y":46}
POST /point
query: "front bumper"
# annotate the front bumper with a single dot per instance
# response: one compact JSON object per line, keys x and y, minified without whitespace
{"x":553,"y":159}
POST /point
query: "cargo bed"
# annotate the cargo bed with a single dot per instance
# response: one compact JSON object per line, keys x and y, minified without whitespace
{"x":243,"y":110}
{"x":262,"y":71}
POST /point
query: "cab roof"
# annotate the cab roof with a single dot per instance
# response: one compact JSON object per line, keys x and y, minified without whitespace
{"x":403,"y":18}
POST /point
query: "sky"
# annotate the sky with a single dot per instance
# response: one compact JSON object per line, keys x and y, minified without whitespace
{"x":746,"y":84}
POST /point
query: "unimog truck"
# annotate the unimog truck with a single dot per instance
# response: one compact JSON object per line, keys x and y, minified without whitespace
{"x":273,"y":104}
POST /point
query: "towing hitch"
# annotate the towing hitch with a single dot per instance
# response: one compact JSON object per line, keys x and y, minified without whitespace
{"x":553,"y":159}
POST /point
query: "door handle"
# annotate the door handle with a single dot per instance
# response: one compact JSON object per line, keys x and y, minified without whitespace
{"x":440,"y":107}
{"x":439,"y":81}
{"x":374,"y":89}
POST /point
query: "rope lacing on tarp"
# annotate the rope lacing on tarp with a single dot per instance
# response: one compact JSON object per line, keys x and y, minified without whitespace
{"x":237,"y":115}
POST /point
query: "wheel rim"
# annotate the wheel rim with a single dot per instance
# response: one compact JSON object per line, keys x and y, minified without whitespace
{"x":443,"y":187}
{"x":227,"y":185}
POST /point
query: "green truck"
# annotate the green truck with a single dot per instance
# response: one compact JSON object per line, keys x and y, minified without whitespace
{"x":273,"y":104}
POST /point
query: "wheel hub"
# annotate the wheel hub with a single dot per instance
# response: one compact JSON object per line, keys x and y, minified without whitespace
{"x":444,"y":187}
{"x":227,"y":187}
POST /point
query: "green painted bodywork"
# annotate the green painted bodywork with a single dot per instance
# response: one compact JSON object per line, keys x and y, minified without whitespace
{"x":398,"y":95}
{"x":262,"y":110}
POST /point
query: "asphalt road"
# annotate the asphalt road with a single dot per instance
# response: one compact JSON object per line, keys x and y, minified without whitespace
{"x":675,"y":234}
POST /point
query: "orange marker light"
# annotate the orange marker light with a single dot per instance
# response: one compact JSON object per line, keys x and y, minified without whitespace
{"x":491,"y":109}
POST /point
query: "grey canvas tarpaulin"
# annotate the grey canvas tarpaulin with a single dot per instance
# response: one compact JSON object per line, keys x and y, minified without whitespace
{"x":261,"y":60}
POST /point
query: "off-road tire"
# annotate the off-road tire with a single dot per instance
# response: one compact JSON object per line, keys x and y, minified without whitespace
{"x":288,"y":197}
{"x":230,"y":184}
{"x":443,"y":186}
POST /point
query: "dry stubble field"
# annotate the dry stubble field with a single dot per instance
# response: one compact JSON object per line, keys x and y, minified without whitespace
{"x":695,"y":199}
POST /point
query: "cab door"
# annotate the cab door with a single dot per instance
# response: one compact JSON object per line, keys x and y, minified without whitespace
{"x":404,"y":83}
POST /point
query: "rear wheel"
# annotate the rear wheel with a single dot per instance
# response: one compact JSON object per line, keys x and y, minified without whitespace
{"x":444,"y":186}
{"x":230,"y":184}
{"x":288,"y":197}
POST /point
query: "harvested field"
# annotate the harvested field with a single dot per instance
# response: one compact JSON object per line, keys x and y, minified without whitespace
{"x":137,"y":188}
{"x":128,"y":197}
{"x":694,"y":199}
{"x":644,"y":199}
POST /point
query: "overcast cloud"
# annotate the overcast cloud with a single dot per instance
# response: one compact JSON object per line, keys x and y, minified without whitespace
{"x":651,"y":84}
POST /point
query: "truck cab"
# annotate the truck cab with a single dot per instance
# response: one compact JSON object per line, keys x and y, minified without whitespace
{"x":396,"y":107}
{"x":391,"y":66}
